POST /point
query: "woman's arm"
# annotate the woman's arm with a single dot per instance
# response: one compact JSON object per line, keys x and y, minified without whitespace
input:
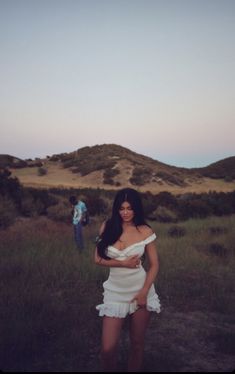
{"x":129,"y":262}
{"x":152,"y":272}
{"x":141,"y":297}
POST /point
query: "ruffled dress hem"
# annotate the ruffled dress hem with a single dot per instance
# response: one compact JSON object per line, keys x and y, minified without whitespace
{"x":121,"y":310}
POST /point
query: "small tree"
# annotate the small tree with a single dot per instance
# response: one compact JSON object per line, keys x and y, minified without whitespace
{"x":42,"y":171}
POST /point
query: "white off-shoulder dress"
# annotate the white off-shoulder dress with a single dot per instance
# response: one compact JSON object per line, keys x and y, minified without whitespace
{"x":124,"y":283}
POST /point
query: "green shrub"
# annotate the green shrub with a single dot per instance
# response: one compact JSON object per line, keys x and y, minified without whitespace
{"x":218,"y":249}
{"x":109,"y":174}
{"x":31,"y":207}
{"x":10,"y":187}
{"x":163,"y":214}
{"x":218,"y":230}
{"x":97,"y":206}
{"x":60,"y":212}
{"x":68,"y":163}
{"x":176,"y":231}
{"x":228,"y":178}
{"x":8,"y":212}
{"x":141,"y":176}
{"x":173,"y":179}
{"x":42,"y":171}
{"x":196,"y":208}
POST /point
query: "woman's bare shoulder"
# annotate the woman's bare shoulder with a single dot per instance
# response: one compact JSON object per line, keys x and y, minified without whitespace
{"x":145,"y":230}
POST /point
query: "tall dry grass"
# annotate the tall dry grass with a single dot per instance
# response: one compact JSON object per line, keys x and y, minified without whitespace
{"x":49,"y":290}
{"x":191,"y":275}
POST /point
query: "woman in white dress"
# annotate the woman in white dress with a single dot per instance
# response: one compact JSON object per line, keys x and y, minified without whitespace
{"x":129,"y":290}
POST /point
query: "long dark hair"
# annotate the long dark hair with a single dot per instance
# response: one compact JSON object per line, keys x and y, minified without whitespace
{"x":113,"y":227}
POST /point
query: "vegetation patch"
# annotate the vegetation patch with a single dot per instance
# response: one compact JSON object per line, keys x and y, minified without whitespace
{"x":218,"y":249}
{"x":176,"y":231}
{"x":141,"y":176}
{"x":41,"y":171}
{"x":218,"y":230}
{"x":87,"y":166}
{"x":173,"y":178}
{"x":109,"y":174}
{"x":163,"y":214}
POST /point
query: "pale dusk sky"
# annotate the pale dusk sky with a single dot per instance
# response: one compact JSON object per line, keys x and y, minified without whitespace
{"x":155,"y":76}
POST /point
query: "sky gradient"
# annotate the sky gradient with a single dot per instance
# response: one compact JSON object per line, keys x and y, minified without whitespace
{"x":157,"y":77}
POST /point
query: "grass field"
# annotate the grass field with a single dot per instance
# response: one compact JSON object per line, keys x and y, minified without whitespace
{"x":49,"y":292}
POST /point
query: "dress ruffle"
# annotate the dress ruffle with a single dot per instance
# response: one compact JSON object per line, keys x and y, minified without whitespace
{"x":121,"y":310}
{"x":153,"y":304}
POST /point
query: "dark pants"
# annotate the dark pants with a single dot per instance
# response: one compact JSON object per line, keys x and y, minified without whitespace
{"x":78,"y":235}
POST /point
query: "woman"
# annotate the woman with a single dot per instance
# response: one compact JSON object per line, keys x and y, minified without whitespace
{"x":129,"y":290}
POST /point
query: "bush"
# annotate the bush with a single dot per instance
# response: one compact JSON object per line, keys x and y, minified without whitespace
{"x":8,"y":212}
{"x":60,"y":212}
{"x":169,"y":178}
{"x":228,"y":178}
{"x":31,"y":207}
{"x":109,"y":174}
{"x":218,"y":230}
{"x":140,"y":176}
{"x":218,"y":249}
{"x":10,"y":187}
{"x":176,"y":231}
{"x":42,"y":171}
{"x":68,"y":164}
{"x":163,"y":214}
{"x":166,"y":199}
{"x":196,"y":208}
{"x":88,"y":165}
{"x":46,"y":198}
{"x":97,"y":206}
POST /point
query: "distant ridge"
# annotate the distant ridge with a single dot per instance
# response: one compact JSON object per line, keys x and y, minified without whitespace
{"x":7,"y":161}
{"x":111,"y":166}
{"x":221,"y":169}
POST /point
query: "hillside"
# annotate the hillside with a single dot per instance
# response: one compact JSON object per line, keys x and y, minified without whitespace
{"x":221,"y":169}
{"x":7,"y":161}
{"x":113,"y":160}
{"x":111,"y":166}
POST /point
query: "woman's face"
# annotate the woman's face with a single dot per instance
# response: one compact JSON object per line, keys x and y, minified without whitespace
{"x":126,"y":212}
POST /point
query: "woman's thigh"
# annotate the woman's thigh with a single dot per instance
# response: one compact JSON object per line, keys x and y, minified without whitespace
{"x":138,"y":325}
{"x":111,"y":332}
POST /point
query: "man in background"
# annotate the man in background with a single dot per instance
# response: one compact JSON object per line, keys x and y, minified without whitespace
{"x":79,"y":209}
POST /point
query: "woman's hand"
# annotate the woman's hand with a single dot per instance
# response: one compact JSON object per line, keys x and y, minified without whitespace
{"x":141,"y":298}
{"x":131,"y":262}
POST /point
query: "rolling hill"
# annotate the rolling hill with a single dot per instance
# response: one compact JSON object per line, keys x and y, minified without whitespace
{"x":221,"y":169}
{"x":112,"y":166}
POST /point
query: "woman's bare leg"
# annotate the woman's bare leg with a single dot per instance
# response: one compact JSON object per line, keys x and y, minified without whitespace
{"x":110,"y":337}
{"x":138,"y":325}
